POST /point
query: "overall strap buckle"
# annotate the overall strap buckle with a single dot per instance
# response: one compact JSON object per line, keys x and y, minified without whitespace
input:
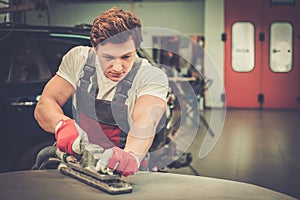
{"x":89,"y":70}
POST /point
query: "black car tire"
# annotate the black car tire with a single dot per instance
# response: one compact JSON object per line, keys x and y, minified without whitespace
{"x":27,"y":161}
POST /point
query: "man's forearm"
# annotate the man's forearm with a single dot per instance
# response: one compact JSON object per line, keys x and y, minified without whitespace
{"x":48,"y":110}
{"x":145,"y":121}
{"x":48,"y":113}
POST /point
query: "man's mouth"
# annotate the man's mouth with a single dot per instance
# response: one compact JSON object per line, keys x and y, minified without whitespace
{"x":116,"y":75}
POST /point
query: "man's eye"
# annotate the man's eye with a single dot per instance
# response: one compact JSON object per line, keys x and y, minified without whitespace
{"x":126,"y":57}
{"x":108,"y":57}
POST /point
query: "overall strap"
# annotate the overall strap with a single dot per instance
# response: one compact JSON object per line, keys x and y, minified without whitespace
{"x":125,"y":84}
{"x":89,"y":70}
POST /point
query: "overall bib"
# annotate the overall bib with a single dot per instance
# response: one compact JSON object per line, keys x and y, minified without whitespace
{"x":105,"y":122}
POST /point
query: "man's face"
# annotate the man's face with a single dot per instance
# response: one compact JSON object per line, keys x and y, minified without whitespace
{"x":116,"y":60}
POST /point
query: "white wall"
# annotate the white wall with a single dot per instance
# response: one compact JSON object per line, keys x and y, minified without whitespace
{"x":4,"y":16}
{"x":214,"y":59}
{"x":186,"y":16}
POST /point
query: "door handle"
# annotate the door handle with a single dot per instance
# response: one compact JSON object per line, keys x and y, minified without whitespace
{"x":24,"y":103}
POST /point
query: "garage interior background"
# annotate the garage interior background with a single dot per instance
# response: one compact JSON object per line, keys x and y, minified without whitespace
{"x":255,"y":147}
{"x":191,"y":18}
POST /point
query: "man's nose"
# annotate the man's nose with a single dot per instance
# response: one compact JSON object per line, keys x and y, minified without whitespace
{"x":117,"y":65}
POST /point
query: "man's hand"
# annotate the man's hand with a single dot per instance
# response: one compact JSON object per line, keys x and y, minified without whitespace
{"x":70,"y":136}
{"x":116,"y":159}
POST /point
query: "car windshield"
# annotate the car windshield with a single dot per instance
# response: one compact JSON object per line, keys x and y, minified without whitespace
{"x":35,"y":56}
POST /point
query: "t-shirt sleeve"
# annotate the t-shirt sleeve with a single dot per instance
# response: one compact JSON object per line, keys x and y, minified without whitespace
{"x":72,"y":63}
{"x":154,"y":82}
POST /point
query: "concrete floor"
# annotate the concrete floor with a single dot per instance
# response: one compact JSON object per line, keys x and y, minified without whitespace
{"x":260,"y":147}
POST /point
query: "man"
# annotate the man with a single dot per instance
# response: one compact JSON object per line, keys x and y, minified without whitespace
{"x":118,"y":98}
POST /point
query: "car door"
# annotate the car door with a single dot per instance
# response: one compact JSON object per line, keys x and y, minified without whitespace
{"x":31,"y":59}
{"x":20,"y":91}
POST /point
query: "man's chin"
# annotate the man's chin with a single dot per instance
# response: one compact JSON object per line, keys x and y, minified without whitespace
{"x":115,"y":79}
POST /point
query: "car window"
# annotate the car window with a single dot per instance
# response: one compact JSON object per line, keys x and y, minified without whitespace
{"x":37,"y":56}
{"x":54,"y":48}
{"x":25,"y":66}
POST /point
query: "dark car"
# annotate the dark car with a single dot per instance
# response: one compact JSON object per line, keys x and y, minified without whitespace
{"x":30,"y":56}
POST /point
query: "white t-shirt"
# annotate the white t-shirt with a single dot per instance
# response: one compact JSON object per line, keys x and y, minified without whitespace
{"x":149,"y":80}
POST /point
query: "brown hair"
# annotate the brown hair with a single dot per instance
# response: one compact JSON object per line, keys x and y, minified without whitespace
{"x":116,"y":26}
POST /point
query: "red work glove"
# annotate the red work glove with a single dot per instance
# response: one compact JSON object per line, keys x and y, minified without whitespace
{"x":116,"y":159}
{"x":69,"y":136}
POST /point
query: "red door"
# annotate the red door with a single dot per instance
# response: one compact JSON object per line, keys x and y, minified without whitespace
{"x":281,"y":89}
{"x":250,"y":50}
